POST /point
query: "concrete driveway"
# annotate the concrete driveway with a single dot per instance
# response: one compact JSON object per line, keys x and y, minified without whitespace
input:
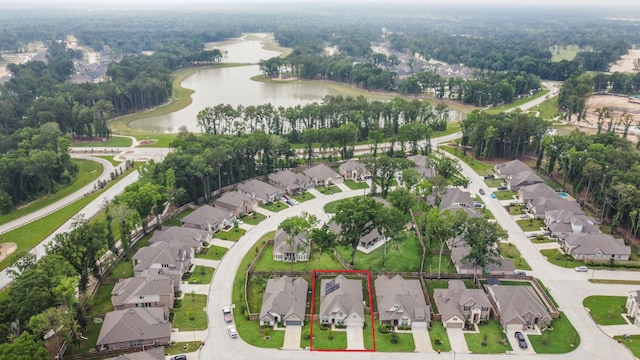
{"x":292,"y":336}
{"x":457,"y":340}
{"x":511,"y":335}
{"x":421,"y":339}
{"x":355,"y":340}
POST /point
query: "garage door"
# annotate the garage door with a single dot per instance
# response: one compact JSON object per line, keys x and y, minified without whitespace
{"x":454,"y":325}
{"x":292,"y":322}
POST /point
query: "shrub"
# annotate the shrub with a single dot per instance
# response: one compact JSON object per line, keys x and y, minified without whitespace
{"x":383,"y":328}
{"x":177,"y":304}
{"x":394,"y":338}
{"x":306,"y":335}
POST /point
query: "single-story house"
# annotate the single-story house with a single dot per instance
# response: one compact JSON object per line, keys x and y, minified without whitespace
{"x":564,"y":222}
{"x":156,"y":353}
{"x":539,"y":207}
{"x":455,"y":196}
{"x":535,"y":191}
{"x":422,"y":166}
{"x":524,"y":178}
{"x":284,"y":301}
{"x":288,"y":250}
{"x":401,"y":302}
{"x":236,"y":202}
{"x":209,"y":218}
{"x":143,"y":292}
{"x":594,"y":246}
{"x":261,"y":191}
{"x":323,"y":175}
{"x":341,"y":302}
{"x":633,"y":305}
{"x":181,"y":236}
{"x":505,"y":267}
{"x":457,"y":305}
{"x":510,"y":167}
{"x":354,"y":170}
{"x":366,"y":241}
{"x":518,"y":305}
{"x":165,"y":256}
{"x":292,"y":183}
{"x":123,"y":329}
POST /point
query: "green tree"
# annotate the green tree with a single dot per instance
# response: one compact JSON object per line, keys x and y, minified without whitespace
{"x":142,"y":198}
{"x":24,"y":347}
{"x":53,"y":319}
{"x":123,"y":217}
{"x":483,"y":238}
{"x":322,"y":239}
{"x":402,"y":199}
{"x":356,"y":217}
{"x":296,"y":225}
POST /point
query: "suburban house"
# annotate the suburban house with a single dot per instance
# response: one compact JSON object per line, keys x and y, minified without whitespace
{"x":535,"y":191}
{"x":458,"y":305}
{"x":236,"y":202}
{"x":173,"y":260}
{"x":143,"y":292}
{"x":566,"y":222}
{"x":284,"y":301}
{"x":261,"y":191}
{"x":354,"y":170}
{"x":633,"y":305}
{"x":134,"y":327}
{"x":524,"y":178}
{"x":594,"y":246}
{"x":290,"y":182}
{"x":157,"y":272}
{"x":421,"y":166}
{"x":366,"y":241}
{"x":401,"y":302}
{"x":323,"y":175}
{"x":209,"y":218}
{"x":518,"y":306}
{"x":455,"y":197}
{"x":539,"y":207}
{"x":458,"y":253}
{"x":156,"y":353}
{"x":341,"y":302}
{"x":510,"y":167}
{"x":181,"y":236}
{"x":288,"y":250}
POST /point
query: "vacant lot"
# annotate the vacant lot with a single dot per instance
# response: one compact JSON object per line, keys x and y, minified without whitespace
{"x":625,"y":64}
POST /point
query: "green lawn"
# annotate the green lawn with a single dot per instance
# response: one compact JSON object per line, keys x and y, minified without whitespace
{"x":514,"y":104}
{"x":506,"y":195}
{"x":487,"y":213}
{"x":201,"y":275}
{"x":88,"y":171}
{"x":607,"y":281}
{"x":548,"y":109}
{"x":446,"y":267}
{"x":383,"y":342}
{"x":558,"y":258}
{"x":191,"y":315}
{"x":253,"y":219}
{"x":182,"y":347}
{"x":478,"y":166}
{"x":530,"y":224}
{"x":321,"y":339}
{"x":328,"y":190}
{"x":494,"y":182}
{"x":232,"y":234}
{"x":331,"y":207}
{"x":439,"y":337}
{"x":356,"y":185}
{"x":212,"y":252}
{"x":115,"y":141}
{"x":562,"y":339}
{"x":509,"y":251}
{"x":606,"y":310}
{"x":490,"y":340}
{"x":517,"y":209}
{"x":403,"y":256}
{"x":175,"y":221}
{"x":255,"y":290}
{"x":304,"y":196}
{"x":275,"y":206}
{"x":91,"y":333}
{"x":110,"y":159}
{"x":101,"y":304}
{"x":122,"y":269}
{"x":367,"y":337}
{"x":632,"y":343}
{"x":325,"y":262}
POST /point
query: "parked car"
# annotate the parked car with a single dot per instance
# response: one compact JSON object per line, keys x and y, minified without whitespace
{"x":532,"y":235}
{"x":489,"y":176}
{"x":228,"y":315}
{"x":519,"y":272}
{"x":477,"y":204}
{"x":493,"y":196}
{"x":502,"y":187}
{"x":581,"y":269}
{"x":233,"y":333}
{"x":481,"y":191}
{"x":179,"y":357}
{"x":522,"y":342}
{"x":525,"y":216}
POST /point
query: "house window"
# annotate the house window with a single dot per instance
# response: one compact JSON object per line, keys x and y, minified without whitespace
{"x":466,"y":308}
{"x":266,"y":323}
{"x":197,"y":226}
{"x":485,"y":309}
{"x":134,"y":343}
{"x":483,"y":317}
{"x":404,"y":322}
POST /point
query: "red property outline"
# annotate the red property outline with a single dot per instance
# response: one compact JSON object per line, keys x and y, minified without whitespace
{"x":313,"y":287}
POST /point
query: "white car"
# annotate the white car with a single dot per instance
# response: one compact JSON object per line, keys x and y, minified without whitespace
{"x":525,"y":216}
{"x":581,"y":269}
{"x":233,"y":333}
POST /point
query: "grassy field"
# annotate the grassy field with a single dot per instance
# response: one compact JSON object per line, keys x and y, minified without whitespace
{"x":182,"y":347}
{"x":325,"y":262}
{"x":511,"y":252}
{"x":548,"y":109}
{"x":515,"y":104}
{"x":110,"y":159}
{"x":101,"y":304}
{"x":506,"y":195}
{"x":191,"y":315}
{"x":383,"y":342}
{"x":568,"y":52}
{"x":212,"y":252}
{"x":201,"y":275}
{"x":490,"y":340}
{"x":562,"y":339}
{"x":606,"y":310}
{"x":619,"y":282}
{"x":401,"y":256}
{"x":322,"y":339}
{"x":88,"y":171}
{"x":115,"y":141}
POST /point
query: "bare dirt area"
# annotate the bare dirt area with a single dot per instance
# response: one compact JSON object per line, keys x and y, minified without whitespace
{"x":20,"y":58}
{"x":6,"y":249}
{"x":619,"y":105}
{"x":627,"y":62}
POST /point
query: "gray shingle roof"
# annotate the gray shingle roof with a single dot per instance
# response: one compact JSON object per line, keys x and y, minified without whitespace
{"x":137,"y":290}
{"x":280,"y":244}
{"x":511,"y":167}
{"x":134,"y":324}
{"x":321,"y":172}
{"x":522,"y":178}
{"x":565,"y":221}
{"x":148,"y":354}
{"x":348,"y":298}
{"x":398,"y":298}
{"x":540,"y":206}
{"x":259,"y":189}
{"x":455,"y":196}
{"x":535,"y":191}
{"x":422,"y":166}
{"x":515,"y":303}
{"x":451,"y":301}
{"x":288,"y":180}
{"x":181,"y":236}
{"x":208,"y":215}
{"x":161,"y":253}
{"x":233,"y":199}
{"x":285,"y":297}
{"x":589,"y":244}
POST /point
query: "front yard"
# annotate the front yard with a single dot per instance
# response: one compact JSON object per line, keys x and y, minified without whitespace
{"x":509,"y":251}
{"x":439,"y":337}
{"x":506,"y":195}
{"x":356,"y":185}
{"x":326,"y":339}
{"x":562,"y":339}
{"x":331,"y":207}
{"x":191,"y":314}
{"x":632,"y":343}
{"x":606,"y":310}
{"x":556,"y":257}
{"x":232,"y":234}
{"x":253,"y":219}
{"x":212,"y":252}
{"x":275,"y":206}
{"x":304,"y":196}
{"x":201,"y":275}
{"x":385,"y":342}
{"x":490,"y":340}
{"x":328,"y":190}
{"x":531,"y":224}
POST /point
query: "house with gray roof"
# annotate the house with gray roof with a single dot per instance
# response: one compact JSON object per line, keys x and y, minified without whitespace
{"x":456,"y":197}
{"x":354,"y":170}
{"x":505,"y":267}
{"x":236,"y":202}
{"x":290,"y":250}
{"x":134,"y":327}
{"x":539,"y":207}
{"x":181,"y":236}
{"x":524,"y":178}
{"x":156,"y":353}
{"x":594,"y":246}
{"x":162,"y":255}
{"x":366,"y":241}
{"x":260,"y":191}
{"x":632,"y":305}
{"x":158,"y":272}
{"x":401,"y":302}
{"x":422,"y":166}
{"x":284,"y":301}
{"x":290,"y":182}
{"x":209,"y":218}
{"x":341,"y":302}
{"x":535,"y":191}
{"x":143,"y":292}
{"x":323,"y":175}
{"x":518,"y":306}
{"x":458,"y":305}
{"x":510,"y":167}
{"x":564,"y":221}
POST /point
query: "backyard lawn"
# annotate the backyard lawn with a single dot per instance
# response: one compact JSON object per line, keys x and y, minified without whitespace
{"x":212,"y":252}
{"x":191,"y":315}
{"x":509,"y":251}
{"x":400,"y":256}
{"x":328,"y":190}
{"x":490,"y":340}
{"x":91,"y":333}
{"x":356,"y":185}
{"x":606,"y":310}
{"x":201,"y":275}
{"x":556,"y":257}
{"x":304,"y":196}
{"x":275,"y":206}
{"x":253,"y":219}
{"x":439,"y":337}
{"x":530,"y":224}
{"x":101,"y":304}
{"x":325,"y":262}
{"x":232,"y":234}
{"x":562,"y":339}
